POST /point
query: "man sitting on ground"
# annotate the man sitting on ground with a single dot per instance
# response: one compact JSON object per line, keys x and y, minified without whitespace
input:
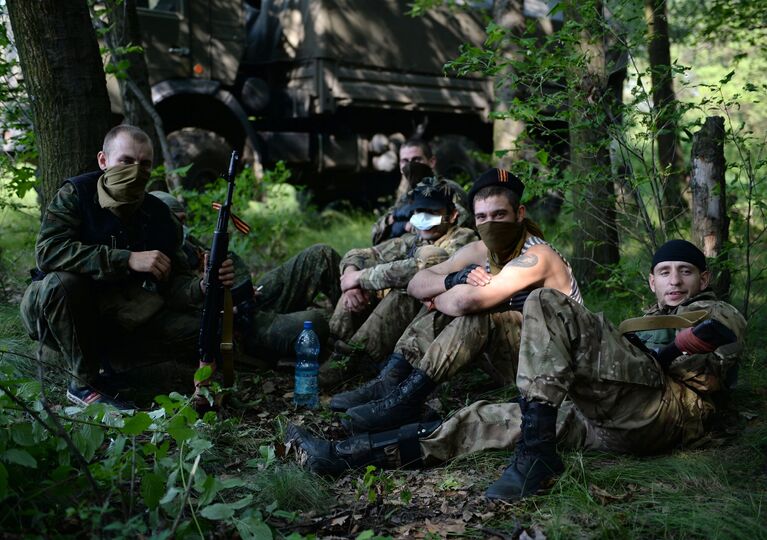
{"x":109,"y":265}
{"x":647,"y":387}
{"x":270,"y":316}
{"x":416,"y":162}
{"x":474,"y":299}
{"x":368,"y":328}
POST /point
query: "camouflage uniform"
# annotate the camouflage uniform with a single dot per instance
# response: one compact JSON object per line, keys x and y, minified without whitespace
{"x":441,"y":346}
{"x":383,"y":231}
{"x":286,"y":293}
{"x":85,"y":297}
{"x":391,"y":265}
{"x":618,"y":397}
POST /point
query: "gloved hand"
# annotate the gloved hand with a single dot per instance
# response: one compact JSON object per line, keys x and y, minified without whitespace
{"x":702,"y":338}
{"x":459,"y":277}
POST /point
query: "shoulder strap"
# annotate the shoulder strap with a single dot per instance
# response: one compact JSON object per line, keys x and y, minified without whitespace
{"x":681,"y":320}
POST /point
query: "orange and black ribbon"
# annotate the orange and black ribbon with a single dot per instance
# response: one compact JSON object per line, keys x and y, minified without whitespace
{"x":239,"y":224}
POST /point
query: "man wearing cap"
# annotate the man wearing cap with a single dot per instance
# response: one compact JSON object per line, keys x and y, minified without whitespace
{"x":368,"y":328}
{"x":416,"y":162}
{"x":647,"y":387}
{"x":109,"y":265}
{"x":270,"y":316}
{"x":474,"y":300}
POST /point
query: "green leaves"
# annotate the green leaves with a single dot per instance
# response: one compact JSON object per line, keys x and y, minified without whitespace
{"x":152,"y":489}
{"x":253,"y":528}
{"x":136,"y":424}
{"x":19,"y":457}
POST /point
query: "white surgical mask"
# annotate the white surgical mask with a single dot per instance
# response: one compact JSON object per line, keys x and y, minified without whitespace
{"x":424,"y":221}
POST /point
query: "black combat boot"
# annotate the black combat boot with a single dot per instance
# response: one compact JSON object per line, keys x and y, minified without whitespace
{"x":401,"y":406}
{"x":399,"y":448}
{"x":394,"y":372}
{"x":535,"y":461}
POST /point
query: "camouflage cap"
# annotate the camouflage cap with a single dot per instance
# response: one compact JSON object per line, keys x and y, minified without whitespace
{"x":431,"y":193}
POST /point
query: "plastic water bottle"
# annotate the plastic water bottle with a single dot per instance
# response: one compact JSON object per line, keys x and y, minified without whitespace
{"x":306,"y":392}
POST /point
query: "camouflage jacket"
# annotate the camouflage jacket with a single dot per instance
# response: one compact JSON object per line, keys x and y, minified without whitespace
{"x":59,"y":248}
{"x":704,"y":373}
{"x":393,"y":263}
{"x":383,"y":231}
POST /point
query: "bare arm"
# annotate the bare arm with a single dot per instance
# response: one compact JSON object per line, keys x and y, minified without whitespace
{"x":430,"y":282}
{"x":528,"y":270}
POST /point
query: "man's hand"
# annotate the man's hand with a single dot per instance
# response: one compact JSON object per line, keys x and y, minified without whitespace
{"x":225,"y":274}
{"x":479,"y":277}
{"x":350,"y":279}
{"x":473,"y":274}
{"x":154,"y":262}
{"x":355,"y":300}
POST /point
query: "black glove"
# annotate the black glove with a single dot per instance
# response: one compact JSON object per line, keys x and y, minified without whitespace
{"x":459,"y":277}
{"x":713,"y":332}
{"x":702,"y":338}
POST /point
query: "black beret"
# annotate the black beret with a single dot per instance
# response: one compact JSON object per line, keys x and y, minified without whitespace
{"x":679,"y":250}
{"x":496,"y":177}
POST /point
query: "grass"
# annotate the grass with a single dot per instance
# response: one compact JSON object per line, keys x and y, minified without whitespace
{"x":715,"y":492}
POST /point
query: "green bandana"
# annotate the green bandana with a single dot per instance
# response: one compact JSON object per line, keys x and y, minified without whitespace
{"x":121,"y":189}
{"x":504,"y":240}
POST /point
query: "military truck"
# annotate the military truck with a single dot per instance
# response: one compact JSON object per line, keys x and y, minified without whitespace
{"x":328,"y":86}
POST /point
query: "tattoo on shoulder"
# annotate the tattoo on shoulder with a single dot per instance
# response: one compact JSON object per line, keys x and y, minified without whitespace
{"x":524,"y":261}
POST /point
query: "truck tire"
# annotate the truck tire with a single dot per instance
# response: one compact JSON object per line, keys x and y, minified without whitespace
{"x":207,"y":151}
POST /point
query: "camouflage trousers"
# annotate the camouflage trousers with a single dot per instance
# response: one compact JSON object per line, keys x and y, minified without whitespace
{"x":440,"y":345}
{"x":618,"y":398}
{"x":386,"y":323}
{"x":498,"y":426}
{"x":344,"y":323}
{"x":286,"y":293}
{"x":622,"y":392}
{"x":88,"y":321}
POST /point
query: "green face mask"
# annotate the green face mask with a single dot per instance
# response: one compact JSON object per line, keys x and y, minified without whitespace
{"x":504,"y":241}
{"x":121,"y":188}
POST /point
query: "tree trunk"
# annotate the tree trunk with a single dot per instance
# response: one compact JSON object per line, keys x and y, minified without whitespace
{"x":596,"y":234}
{"x":64,"y":77}
{"x":709,"y":200}
{"x":124,"y":32}
{"x":670,"y":160}
{"x":506,"y":131}
{"x":135,"y":90}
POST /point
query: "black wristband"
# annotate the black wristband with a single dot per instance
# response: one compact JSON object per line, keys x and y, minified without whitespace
{"x":450,"y":281}
{"x":459,"y":277}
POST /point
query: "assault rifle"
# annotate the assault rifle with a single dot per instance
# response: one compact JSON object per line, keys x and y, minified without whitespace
{"x":216,"y":340}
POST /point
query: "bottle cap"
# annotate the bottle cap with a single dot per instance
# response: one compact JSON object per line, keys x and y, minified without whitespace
{"x":308,"y":325}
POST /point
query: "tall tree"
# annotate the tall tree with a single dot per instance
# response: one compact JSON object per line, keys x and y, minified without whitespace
{"x":65,"y":80}
{"x":671,"y":164}
{"x":508,"y":14}
{"x":710,"y":224}
{"x":596,"y":235}
{"x":123,"y":38}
